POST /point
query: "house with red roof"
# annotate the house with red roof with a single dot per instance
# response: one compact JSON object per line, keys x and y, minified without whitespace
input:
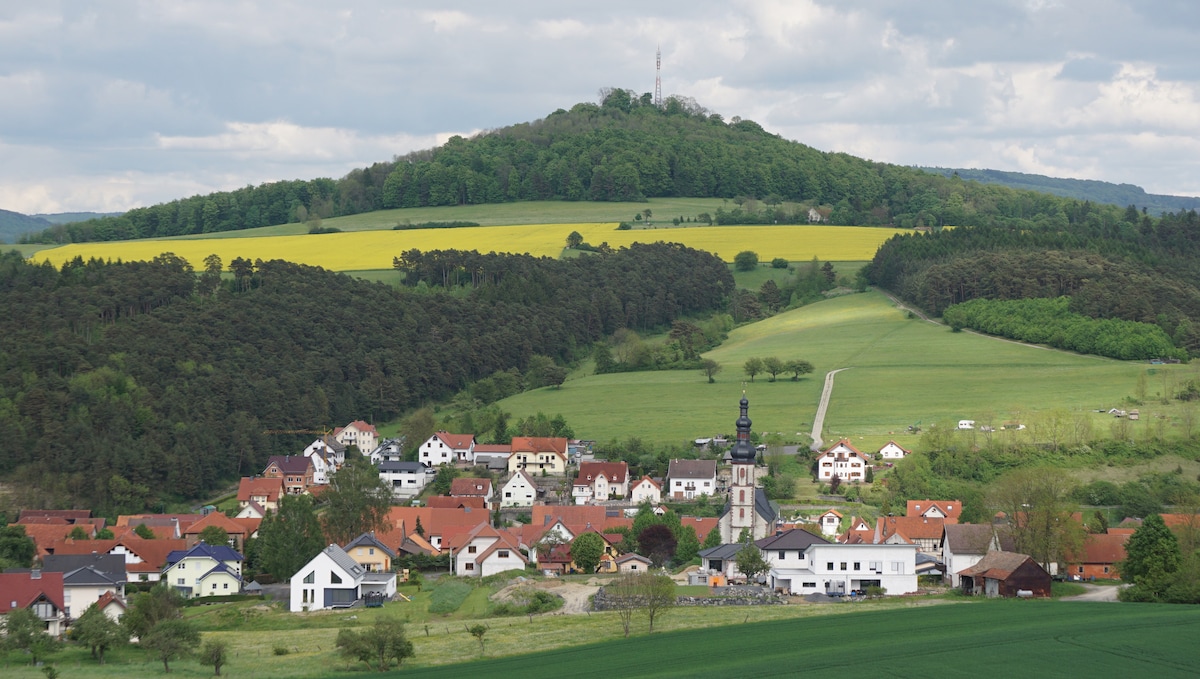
{"x":842,"y":461}
{"x":297,"y":472}
{"x":437,"y":525}
{"x":446,"y":448}
{"x":830,"y":522}
{"x":538,"y":455}
{"x":599,"y":481}
{"x":893,"y":451}
{"x":236,"y":529}
{"x":934,"y":509}
{"x":1099,"y":558}
{"x":37,"y":591}
{"x":261,"y":490}
{"x":44,"y":535}
{"x":449,"y":502}
{"x":924,"y":532}
{"x":472,"y":487}
{"x":485,"y":551}
{"x":359,"y":434}
{"x":646,"y":490}
{"x":144,"y":559}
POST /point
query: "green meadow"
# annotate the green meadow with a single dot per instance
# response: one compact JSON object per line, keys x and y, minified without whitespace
{"x":902,"y":371}
{"x":992,"y":639}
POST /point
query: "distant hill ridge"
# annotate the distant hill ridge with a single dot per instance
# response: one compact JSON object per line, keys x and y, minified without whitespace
{"x":13,"y":225}
{"x":1079,"y":189}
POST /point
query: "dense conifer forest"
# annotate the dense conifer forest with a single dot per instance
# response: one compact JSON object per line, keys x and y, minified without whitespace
{"x":123,"y":385}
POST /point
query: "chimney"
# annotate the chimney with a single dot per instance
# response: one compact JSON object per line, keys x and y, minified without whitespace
{"x":35,"y":574}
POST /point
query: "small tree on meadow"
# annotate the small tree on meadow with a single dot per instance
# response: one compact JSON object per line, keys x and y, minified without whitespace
{"x":752,"y":367}
{"x":216,"y":653}
{"x":709,"y":368}
{"x":658,"y":595}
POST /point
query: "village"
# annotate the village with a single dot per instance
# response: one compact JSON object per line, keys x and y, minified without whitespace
{"x":553,"y":493}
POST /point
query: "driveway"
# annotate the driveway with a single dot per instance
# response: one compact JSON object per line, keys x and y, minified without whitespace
{"x":1096,"y":593}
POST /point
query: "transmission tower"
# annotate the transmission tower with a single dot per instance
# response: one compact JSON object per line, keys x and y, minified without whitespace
{"x":658,"y":77}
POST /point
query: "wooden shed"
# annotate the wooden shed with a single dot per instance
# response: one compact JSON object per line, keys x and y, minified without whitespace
{"x":1006,"y":574}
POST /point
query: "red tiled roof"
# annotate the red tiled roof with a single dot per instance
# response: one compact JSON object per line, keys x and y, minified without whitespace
{"x":68,"y":514}
{"x":471,"y":487}
{"x":846,"y":443}
{"x":456,"y":441}
{"x":152,"y":552}
{"x":912,"y":527}
{"x":615,"y":472}
{"x":45,"y":535}
{"x":544,"y":515}
{"x":492,"y":448}
{"x":997,"y":565}
{"x":951,"y":508}
{"x":109,"y":598}
{"x":216,"y":519}
{"x":24,"y":590}
{"x":654,"y":483}
{"x":359,"y":425}
{"x":434,"y":521}
{"x":150,"y":520}
{"x":539,"y":444}
{"x":1102,"y":548}
{"x":1181,"y":520}
{"x":444,"y":502}
{"x":702,"y":525}
{"x":259,"y":486}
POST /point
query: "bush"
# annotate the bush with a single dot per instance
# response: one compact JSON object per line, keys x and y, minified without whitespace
{"x":779,"y":263}
{"x":280,"y":650}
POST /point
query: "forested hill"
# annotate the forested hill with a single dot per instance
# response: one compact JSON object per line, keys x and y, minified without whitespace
{"x":15,"y":224}
{"x":623,"y":149}
{"x":1132,"y":268}
{"x":122,"y":382}
{"x":1079,"y":189}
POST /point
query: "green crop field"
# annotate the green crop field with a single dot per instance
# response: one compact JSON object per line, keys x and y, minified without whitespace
{"x":995,"y":639}
{"x":901,"y":370}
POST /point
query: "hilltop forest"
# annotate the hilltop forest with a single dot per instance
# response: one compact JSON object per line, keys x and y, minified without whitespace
{"x":120,"y":380}
{"x":623,"y":149}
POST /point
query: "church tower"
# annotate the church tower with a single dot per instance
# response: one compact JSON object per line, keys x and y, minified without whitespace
{"x":741,"y":514}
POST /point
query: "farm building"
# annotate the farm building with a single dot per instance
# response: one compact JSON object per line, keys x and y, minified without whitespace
{"x":1005,"y":574}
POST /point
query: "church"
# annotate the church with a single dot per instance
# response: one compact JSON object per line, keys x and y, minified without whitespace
{"x":748,"y":508}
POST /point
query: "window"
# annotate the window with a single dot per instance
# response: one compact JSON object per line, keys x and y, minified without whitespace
{"x":507,"y":493}
{"x":1081,"y":569}
{"x":828,"y":565}
{"x":842,"y":566}
{"x":782,"y":554}
{"x":335,"y":578}
{"x":226,"y":586}
{"x":470,"y":566}
{"x":179,"y":581}
{"x":310,"y":578}
{"x":371,"y":551}
{"x":808,"y":584}
{"x":897,"y":566}
{"x":182,"y":565}
{"x":471,"y":549}
{"x":876,"y":566}
{"x":214,"y":586}
{"x":503,"y":554}
{"x":857,"y":566}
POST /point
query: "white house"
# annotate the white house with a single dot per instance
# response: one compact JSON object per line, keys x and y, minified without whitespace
{"x":85,"y":586}
{"x":328,"y":455}
{"x":687,"y":479}
{"x":334,"y":580}
{"x":518,"y":491}
{"x":485,"y":551}
{"x":472,"y":487}
{"x":893,"y":451}
{"x":830,"y":568}
{"x":646,"y":490}
{"x":964,"y":545}
{"x":359,"y":434}
{"x":204,"y":570}
{"x":407,"y":479}
{"x":391,"y":450}
{"x":842,"y":461}
{"x":446,"y":448}
{"x":599,"y":481}
{"x":633,"y":563}
{"x":830,"y":522}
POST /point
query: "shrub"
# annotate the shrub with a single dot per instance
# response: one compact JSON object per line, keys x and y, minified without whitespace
{"x":281,"y":650}
{"x":779,"y":263}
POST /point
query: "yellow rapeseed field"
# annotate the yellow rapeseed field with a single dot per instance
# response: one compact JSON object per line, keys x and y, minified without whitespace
{"x":366,"y":250}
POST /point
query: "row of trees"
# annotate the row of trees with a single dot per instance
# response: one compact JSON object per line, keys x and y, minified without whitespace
{"x":774,"y":367}
{"x":1050,"y":321}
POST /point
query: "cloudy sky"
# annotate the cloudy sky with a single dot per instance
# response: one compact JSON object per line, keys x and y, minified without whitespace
{"x":110,"y":105}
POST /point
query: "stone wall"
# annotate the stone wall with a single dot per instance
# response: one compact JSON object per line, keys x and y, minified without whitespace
{"x":743,"y":597}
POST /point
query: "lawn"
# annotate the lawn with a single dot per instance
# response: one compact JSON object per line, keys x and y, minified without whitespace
{"x":901,"y":371}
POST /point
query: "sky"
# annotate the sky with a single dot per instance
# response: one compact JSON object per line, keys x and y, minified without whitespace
{"x":112,"y":104}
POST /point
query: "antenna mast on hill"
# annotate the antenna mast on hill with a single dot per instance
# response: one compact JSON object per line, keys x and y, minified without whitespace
{"x":658,"y":77}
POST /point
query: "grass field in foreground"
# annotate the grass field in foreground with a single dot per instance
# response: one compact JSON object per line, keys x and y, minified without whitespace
{"x":902,"y":371}
{"x":997,"y":639}
{"x":365,"y":250}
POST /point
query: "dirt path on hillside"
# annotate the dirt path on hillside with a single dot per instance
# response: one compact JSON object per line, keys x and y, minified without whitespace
{"x":819,"y":421}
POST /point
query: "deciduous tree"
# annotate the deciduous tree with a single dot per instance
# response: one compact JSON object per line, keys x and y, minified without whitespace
{"x":98,"y":632}
{"x":1037,"y":502}
{"x":586,"y":551}
{"x":170,"y":640}
{"x":745,"y":260}
{"x":357,"y":501}
{"x":709,"y":368}
{"x":290,"y":537}
{"x":1152,"y":557}
{"x":752,"y":367}
{"x":658,"y":595}
{"x":214,"y":652}
{"x":381,"y":644}
{"x":750,"y":562}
